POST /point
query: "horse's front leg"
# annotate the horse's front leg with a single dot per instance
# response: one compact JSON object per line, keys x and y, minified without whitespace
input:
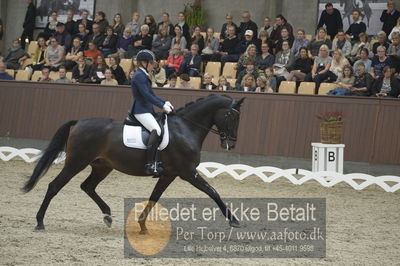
{"x":162,"y":184}
{"x":194,"y":178}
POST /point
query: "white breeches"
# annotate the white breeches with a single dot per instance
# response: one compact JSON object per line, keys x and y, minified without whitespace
{"x":149,"y":122}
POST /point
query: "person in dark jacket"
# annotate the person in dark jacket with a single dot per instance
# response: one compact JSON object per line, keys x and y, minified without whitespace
{"x":332,"y":19}
{"x":301,"y":67}
{"x":280,"y":23}
{"x":162,"y":44}
{"x":363,"y":81}
{"x":224,"y":29}
{"x":96,"y":36}
{"x":81,"y":71}
{"x":85,"y":21}
{"x":191,"y":64}
{"x":117,"y":70}
{"x":142,"y":108}
{"x":247,"y":24}
{"x":63,"y":37}
{"x":109,"y":45}
{"x":70,"y":23}
{"x":166,"y":23}
{"x":386,"y":86}
{"x":356,"y":27}
{"x":142,"y":41}
{"x":3,"y":74}
{"x":29,"y":23}
{"x":389,"y":17}
{"x":228,"y":46}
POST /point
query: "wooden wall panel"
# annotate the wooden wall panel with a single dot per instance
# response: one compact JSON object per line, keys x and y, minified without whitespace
{"x":271,"y":124}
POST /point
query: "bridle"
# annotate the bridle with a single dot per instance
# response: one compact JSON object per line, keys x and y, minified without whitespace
{"x":223,"y":134}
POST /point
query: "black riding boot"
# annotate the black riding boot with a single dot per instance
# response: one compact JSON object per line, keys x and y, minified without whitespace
{"x":153,"y":166}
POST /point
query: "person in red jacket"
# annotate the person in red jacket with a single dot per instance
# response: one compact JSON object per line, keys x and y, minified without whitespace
{"x":174,"y":61}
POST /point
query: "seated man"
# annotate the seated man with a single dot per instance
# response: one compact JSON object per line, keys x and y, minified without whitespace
{"x":62,"y":72}
{"x":3,"y":74}
{"x":192,"y":62}
{"x":16,"y":56}
{"x":342,"y":44}
{"x":45,"y":75}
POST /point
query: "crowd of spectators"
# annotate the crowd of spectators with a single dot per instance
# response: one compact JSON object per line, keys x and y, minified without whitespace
{"x":265,"y":55}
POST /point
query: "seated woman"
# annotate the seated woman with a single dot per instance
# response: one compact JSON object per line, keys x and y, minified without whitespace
{"x":81,"y":71}
{"x":265,"y":59}
{"x":109,"y":78}
{"x":248,"y":84}
{"x":249,"y":55}
{"x":179,"y":39}
{"x":207,"y":82}
{"x":364,"y":53}
{"x":386,"y":85}
{"x":223,"y":84}
{"x":51,"y":26}
{"x":110,"y":42}
{"x":192,"y":62}
{"x":117,"y":71}
{"x":39,"y":59}
{"x":159,"y":75}
{"x":302,"y":66}
{"x":320,"y":39}
{"x":54,"y":55}
{"x":71,"y":59}
{"x":150,"y":21}
{"x":363,"y":43}
{"x":264,"y":39}
{"x":362,"y":82}
{"x":197,"y":38}
{"x":344,"y":82}
{"x":92,"y":53}
{"x":117,"y":26}
{"x":379,"y":62}
{"x":337,"y":65}
{"x":162,"y":44}
{"x":97,"y":71}
{"x":322,"y":64}
{"x":211,"y":46}
{"x":283,"y":62}
{"x":262,"y":85}
{"x":174,"y":61}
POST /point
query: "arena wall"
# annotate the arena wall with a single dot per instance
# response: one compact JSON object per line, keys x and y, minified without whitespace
{"x":271,"y":124}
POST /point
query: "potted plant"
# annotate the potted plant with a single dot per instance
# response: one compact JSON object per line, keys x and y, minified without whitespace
{"x":194,"y":14}
{"x":331,"y":127}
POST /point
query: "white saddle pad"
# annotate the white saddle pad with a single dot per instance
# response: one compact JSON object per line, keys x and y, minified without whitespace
{"x":132,"y":137}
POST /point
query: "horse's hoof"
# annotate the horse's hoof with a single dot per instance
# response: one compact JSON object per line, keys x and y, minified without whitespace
{"x":144,"y":232}
{"x":39,"y":228}
{"x":107,"y":220}
{"x":234,"y":223}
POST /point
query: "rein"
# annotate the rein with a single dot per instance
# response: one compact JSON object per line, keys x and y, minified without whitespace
{"x":223,"y":135}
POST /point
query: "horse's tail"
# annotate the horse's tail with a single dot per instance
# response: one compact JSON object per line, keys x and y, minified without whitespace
{"x":56,"y":145}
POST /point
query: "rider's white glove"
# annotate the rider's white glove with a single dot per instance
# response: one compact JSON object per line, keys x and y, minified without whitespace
{"x":168,"y":108}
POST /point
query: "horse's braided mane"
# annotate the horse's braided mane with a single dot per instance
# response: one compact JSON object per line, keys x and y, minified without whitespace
{"x":188,"y":106}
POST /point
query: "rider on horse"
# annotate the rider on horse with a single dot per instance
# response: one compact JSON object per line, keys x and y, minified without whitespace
{"x":142,"y":108}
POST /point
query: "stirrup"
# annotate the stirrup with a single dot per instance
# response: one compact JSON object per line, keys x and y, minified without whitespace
{"x":154,"y":168}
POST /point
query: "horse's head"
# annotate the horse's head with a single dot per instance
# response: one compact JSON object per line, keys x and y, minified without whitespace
{"x":227,"y":122}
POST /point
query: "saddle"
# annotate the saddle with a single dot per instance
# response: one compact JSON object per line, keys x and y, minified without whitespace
{"x":137,"y":136}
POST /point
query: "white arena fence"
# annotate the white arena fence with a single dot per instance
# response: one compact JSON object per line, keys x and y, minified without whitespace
{"x":239,"y":172}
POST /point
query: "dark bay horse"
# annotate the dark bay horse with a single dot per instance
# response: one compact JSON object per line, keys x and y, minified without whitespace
{"x":98,"y":142}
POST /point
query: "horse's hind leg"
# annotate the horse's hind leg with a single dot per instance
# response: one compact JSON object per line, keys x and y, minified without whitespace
{"x":194,"y":178}
{"x":158,"y":190}
{"x":67,"y":173}
{"x":99,"y":172}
